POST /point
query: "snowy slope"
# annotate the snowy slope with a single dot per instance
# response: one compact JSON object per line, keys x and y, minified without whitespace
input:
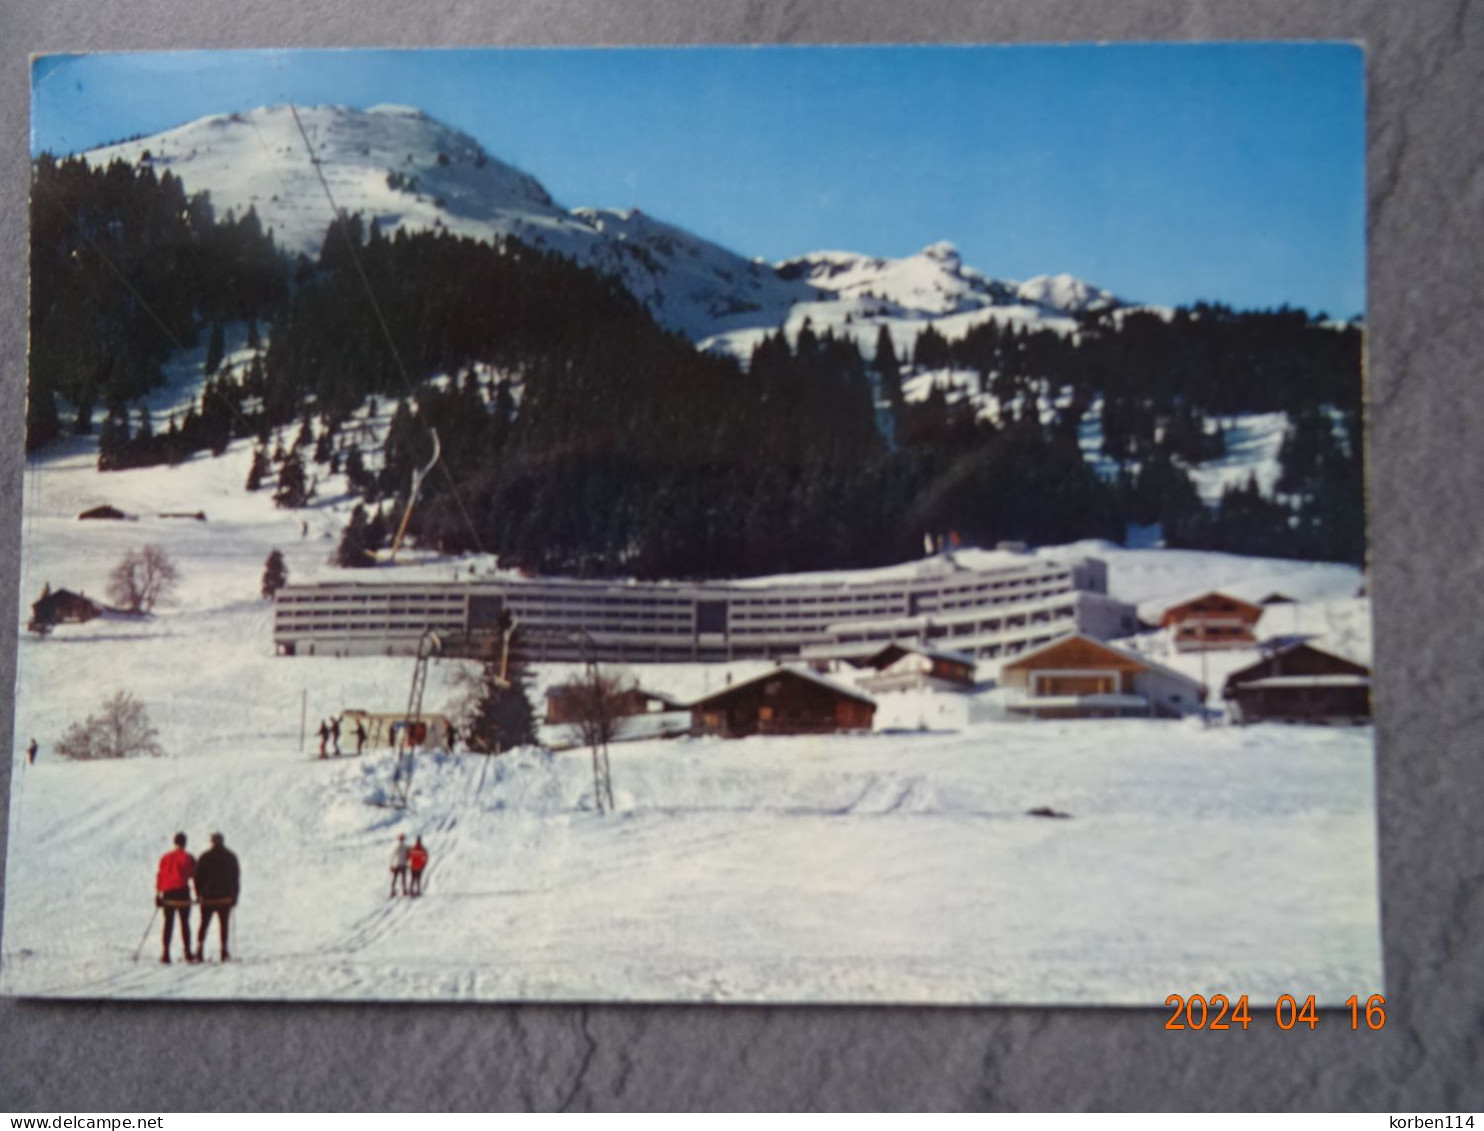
{"x":408,"y":171}
{"x":894,"y":868}
{"x":889,"y":867}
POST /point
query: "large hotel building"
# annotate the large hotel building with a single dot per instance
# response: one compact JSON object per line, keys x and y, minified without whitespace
{"x":987,"y":604}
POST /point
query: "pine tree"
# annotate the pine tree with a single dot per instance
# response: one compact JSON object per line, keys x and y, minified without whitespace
{"x":354,"y":549}
{"x":82,"y":424}
{"x":275,"y":575}
{"x":322,"y":448}
{"x":293,"y":488}
{"x":500,"y":715}
{"x":258,"y":470}
{"x":216,"y":348}
{"x":42,"y":424}
{"x":356,"y":476}
{"x":888,"y":371}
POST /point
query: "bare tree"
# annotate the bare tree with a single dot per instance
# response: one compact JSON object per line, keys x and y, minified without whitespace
{"x":597,"y":705}
{"x":120,"y":730}
{"x":143,"y":579}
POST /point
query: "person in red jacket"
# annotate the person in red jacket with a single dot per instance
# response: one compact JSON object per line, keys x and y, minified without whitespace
{"x":417,"y":860}
{"x":173,"y":893}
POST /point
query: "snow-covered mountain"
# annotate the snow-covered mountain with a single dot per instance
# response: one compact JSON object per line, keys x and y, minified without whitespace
{"x":396,"y":165}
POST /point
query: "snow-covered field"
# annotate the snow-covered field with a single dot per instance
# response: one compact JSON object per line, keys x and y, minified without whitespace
{"x":894,"y":867}
{"x":897,"y":866}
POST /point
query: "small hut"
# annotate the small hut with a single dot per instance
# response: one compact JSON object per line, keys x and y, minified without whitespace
{"x":783,"y":701}
{"x":390,"y":728}
{"x":62,"y":606}
{"x":565,"y":703}
{"x":1299,"y":683}
{"x":104,"y":511}
{"x":915,"y":667}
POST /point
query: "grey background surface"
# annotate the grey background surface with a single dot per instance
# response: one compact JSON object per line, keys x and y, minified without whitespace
{"x":1427,"y":446}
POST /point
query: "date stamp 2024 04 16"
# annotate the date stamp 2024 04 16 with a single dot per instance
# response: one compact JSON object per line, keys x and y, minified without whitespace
{"x":1220,"y":1012}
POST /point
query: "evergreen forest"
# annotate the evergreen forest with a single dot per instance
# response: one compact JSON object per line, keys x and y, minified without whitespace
{"x":577,"y":436}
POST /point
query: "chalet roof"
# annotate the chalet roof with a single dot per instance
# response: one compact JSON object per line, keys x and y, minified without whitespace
{"x":907,"y":647}
{"x":56,"y":595}
{"x":1171,"y":612}
{"x":1262,"y":670}
{"x":1063,"y":641}
{"x":558,"y":690}
{"x":104,"y":510}
{"x":1122,"y":653}
{"x":799,"y":673}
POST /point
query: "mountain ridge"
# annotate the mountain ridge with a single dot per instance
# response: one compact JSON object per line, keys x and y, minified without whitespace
{"x":406,"y":170}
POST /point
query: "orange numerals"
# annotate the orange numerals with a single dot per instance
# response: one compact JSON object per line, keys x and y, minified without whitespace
{"x":1375,"y":1012}
{"x":1219,"y":1012}
{"x":1198,"y":1012}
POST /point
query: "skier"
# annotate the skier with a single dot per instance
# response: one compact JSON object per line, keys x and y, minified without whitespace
{"x":31,"y":752}
{"x":399,"y":865}
{"x":217,"y":884}
{"x":173,"y":893}
{"x":324,"y":736}
{"x":360,"y":737}
{"x":335,"y":733}
{"x":417,"y":860}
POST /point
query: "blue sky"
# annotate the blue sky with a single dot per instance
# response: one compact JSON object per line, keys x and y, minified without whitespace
{"x":1166,"y":173}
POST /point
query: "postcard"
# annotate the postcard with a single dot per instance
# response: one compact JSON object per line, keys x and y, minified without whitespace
{"x":813,"y":525}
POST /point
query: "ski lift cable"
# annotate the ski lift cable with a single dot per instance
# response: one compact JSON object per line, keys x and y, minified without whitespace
{"x":386,"y":332}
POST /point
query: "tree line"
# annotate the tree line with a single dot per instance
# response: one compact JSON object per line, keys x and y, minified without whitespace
{"x":579,"y":436}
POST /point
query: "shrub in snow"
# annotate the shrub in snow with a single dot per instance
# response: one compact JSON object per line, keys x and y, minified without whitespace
{"x":120,"y":730}
{"x":143,"y":579}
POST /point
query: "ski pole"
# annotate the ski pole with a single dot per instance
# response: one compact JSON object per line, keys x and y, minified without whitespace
{"x":147,"y":930}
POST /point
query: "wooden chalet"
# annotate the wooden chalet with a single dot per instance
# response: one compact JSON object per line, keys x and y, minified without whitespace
{"x":62,"y":606}
{"x":1212,"y":622}
{"x":783,"y":701}
{"x":915,"y":667}
{"x":1077,"y":677}
{"x":564,"y":703}
{"x":1300,"y":684}
{"x":105,"y":511}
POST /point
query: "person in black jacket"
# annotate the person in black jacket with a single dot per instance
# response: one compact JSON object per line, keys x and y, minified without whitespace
{"x":217,"y":884}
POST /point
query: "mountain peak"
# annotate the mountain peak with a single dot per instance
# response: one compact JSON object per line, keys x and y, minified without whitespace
{"x":1066,"y":293}
{"x":943,"y":252}
{"x":397,"y":166}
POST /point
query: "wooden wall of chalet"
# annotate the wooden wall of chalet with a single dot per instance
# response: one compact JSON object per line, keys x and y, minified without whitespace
{"x":568,"y":704}
{"x":63,"y":606}
{"x":782,"y":704}
{"x":1303,"y":704}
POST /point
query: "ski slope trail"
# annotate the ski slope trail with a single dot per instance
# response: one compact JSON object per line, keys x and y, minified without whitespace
{"x":751,"y":870}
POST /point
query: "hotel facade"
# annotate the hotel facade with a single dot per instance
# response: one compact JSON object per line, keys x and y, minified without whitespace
{"x":988,"y":604}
